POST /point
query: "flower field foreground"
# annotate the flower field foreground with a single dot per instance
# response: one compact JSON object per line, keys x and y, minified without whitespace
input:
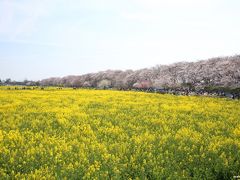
{"x":103,"y":134}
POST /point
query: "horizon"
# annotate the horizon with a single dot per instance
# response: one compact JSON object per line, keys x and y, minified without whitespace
{"x":43,"y":39}
{"x":196,"y":61}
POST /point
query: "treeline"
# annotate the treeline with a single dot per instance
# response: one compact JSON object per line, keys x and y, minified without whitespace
{"x":215,"y":72}
{"x":8,"y":81}
{"x":217,"y":76}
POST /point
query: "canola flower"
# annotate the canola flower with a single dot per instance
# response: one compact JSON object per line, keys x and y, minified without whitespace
{"x":104,"y":134}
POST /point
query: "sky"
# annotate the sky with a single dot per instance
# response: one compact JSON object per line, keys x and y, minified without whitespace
{"x":55,"y":38}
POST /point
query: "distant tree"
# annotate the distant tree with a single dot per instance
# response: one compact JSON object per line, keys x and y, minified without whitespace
{"x":220,"y":72}
{"x":8,"y":81}
{"x":146,"y":84}
{"x":25,"y":82}
{"x":37,"y":83}
{"x":131,"y":79}
{"x":143,"y":84}
{"x":157,"y":84}
{"x":137,"y":85}
{"x":77,"y":82}
{"x":86,"y":84}
{"x":188,"y":86}
{"x":104,"y":84}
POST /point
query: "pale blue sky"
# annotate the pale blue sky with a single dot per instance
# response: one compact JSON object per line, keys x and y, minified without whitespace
{"x":46,"y":38}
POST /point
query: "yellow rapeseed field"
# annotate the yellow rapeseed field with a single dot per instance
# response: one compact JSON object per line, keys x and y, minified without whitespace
{"x":104,"y":134}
